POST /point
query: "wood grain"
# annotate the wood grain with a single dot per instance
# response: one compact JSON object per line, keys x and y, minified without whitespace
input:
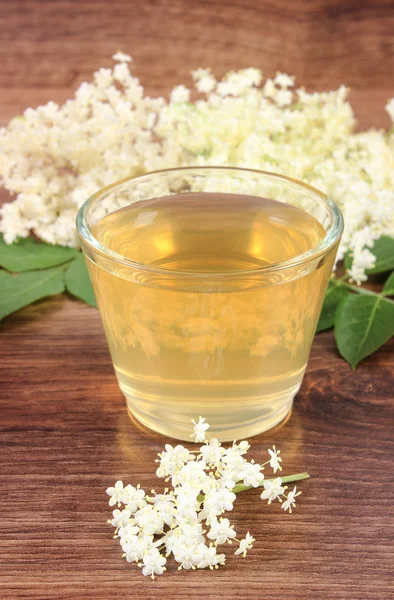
{"x":65,"y":432}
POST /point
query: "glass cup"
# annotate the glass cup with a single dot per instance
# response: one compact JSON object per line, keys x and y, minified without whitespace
{"x":228,"y":344}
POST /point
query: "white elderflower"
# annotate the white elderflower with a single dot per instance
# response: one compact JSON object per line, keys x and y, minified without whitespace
{"x":289,"y":503}
{"x":185,"y":521}
{"x":193,"y":473}
{"x":204,"y":80}
{"x":251,"y":474}
{"x":365,"y":260}
{"x":54,"y":157}
{"x":232,"y":465}
{"x":390,"y":108}
{"x":199,"y":430}
{"x":283,"y":80}
{"x":150,"y":520}
{"x":122,"y":57}
{"x":212,"y":452}
{"x":229,"y":476}
{"x":153,"y":563}
{"x":241,"y":447}
{"x":164,"y":504}
{"x":191,"y":533}
{"x":217,"y":502}
{"x":187,"y":556}
{"x":272,"y":489}
{"x":245,"y":545}
{"x":187,"y":503}
{"x":208,"y":557}
{"x":269,"y":89}
{"x":180,"y":94}
{"x":134,"y":498}
{"x":136,"y":546}
{"x":172,"y":460}
{"x":117,"y":494}
{"x":284,"y":97}
{"x":127,"y":532}
{"x":275,"y":459}
{"x":221,"y":531}
{"x":120,"y":518}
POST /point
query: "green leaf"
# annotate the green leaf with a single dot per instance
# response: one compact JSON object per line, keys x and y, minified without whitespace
{"x":348,"y":261}
{"x":362,"y":324}
{"x":17,"y":291}
{"x":383,"y":249}
{"x":28,"y":255}
{"x":335,"y":293}
{"x":78,"y":281}
{"x":388,"y":289}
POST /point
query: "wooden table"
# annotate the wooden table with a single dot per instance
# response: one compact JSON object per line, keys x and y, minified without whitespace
{"x":65,"y":432}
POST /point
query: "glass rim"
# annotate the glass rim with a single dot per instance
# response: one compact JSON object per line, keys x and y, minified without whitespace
{"x":332,"y":235}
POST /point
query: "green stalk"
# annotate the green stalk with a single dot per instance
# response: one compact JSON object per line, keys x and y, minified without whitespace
{"x":360,"y":290}
{"x":240,"y":487}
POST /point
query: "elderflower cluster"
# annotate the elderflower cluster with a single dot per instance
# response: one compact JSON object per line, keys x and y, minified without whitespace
{"x":54,"y":157}
{"x":186,"y":521}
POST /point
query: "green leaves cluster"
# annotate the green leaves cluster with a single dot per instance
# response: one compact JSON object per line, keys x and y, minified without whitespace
{"x":363,"y":320}
{"x":34,"y":270}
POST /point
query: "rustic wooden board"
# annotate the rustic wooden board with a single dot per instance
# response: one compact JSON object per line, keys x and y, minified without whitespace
{"x":65,"y":433}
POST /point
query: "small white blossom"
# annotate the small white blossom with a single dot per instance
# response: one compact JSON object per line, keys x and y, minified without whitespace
{"x":187,"y":503}
{"x":187,"y":555}
{"x":245,"y":545}
{"x":118,"y":494}
{"x":275,"y":459}
{"x":134,"y":498}
{"x":120,"y":518}
{"x":217,"y":502}
{"x":365,"y":260}
{"x":229,"y":476}
{"x":221,"y":531}
{"x":269,"y":89}
{"x":289,"y":503}
{"x":127,"y":532}
{"x":272,"y":489}
{"x":192,"y":533}
{"x":193,"y":473}
{"x":165,"y":505}
{"x":232,"y":465}
{"x":122,"y":57}
{"x":135,"y":546}
{"x":208,"y":557}
{"x":390,"y":108}
{"x":251,"y":474}
{"x":204,"y":80}
{"x":284,"y":80}
{"x":150,"y":520}
{"x":241,"y":447}
{"x":212,"y":452}
{"x":199,"y":430}
{"x":172,"y":540}
{"x":180,"y":94}
{"x":284,"y":97}
{"x":153,"y":563}
{"x":172,"y":460}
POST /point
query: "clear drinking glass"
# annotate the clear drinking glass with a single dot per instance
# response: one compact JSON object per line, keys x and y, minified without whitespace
{"x":209,"y":283}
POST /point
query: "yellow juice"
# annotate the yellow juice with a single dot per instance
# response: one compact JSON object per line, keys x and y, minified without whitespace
{"x":201,"y":330}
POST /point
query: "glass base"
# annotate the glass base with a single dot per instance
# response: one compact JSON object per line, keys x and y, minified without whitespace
{"x":227,"y":425}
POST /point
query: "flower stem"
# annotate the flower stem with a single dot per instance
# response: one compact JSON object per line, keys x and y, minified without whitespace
{"x":360,"y":290}
{"x":240,"y":487}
